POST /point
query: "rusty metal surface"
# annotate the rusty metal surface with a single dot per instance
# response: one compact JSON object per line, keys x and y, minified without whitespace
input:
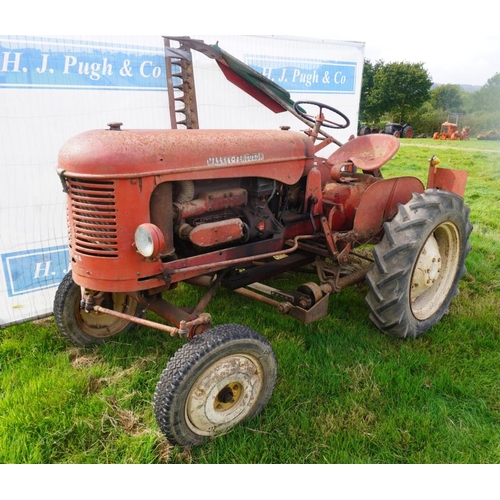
{"x":308,"y":316}
{"x":212,"y":201}
{"x":368,"y":153}
{"x":266,"y":270}
{"x":217,"y":233}
{"x":258,"y":297}
{"x":187,"y":154}
{"x":189,"y":323}
{"x":164,"y":309}
{"x":380,"y":201}
{"x":161,"y":198}
{"x":102,"y":252}
{"x":202,"y":265}
{"x":448,"y":180}
{"x":152,"y":324}
{"x":341,"y":201}
{"x":181,"y":85}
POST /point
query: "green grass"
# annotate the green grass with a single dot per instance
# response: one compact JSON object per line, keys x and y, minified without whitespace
{"x":345,"y":392}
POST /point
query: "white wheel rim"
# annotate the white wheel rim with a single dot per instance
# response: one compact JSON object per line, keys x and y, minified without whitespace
{"x":435,"y":271}
{"x":224,"y":394}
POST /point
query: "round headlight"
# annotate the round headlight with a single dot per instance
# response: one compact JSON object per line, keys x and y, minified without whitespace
{"x":149,"y":240}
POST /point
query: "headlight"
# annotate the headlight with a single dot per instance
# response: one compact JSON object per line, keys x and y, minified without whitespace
{"x":149,"y":240}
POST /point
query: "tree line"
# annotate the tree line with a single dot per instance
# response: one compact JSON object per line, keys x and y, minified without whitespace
{"x":403,"y":93}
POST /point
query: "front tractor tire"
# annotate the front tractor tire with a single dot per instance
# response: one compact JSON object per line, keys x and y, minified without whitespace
{"x":419,"y":263}
{"x":222,"y":377}
{"x":84,"y":329}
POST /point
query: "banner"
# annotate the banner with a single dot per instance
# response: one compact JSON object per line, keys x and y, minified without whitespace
{"x":305,"y":76}
{"x":30,"y":63}
{"x":51,"y":90}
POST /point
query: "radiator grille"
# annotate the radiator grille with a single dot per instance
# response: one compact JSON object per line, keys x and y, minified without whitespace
{"x":94,"y":217}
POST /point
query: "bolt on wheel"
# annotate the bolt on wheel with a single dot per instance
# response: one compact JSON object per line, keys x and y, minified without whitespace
{"x":221,"y":378}
{"x":87,"y":329}
{"x":224,"y":394}
{"x":419,"y":263}
{"x":435,"y":271}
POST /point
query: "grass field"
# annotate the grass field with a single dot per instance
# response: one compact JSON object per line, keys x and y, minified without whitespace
{"x":345,"y":394}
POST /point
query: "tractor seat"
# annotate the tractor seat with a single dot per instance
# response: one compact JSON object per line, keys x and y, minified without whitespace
{"x":367,"y":153}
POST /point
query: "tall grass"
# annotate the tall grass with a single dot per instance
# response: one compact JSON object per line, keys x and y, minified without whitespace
{"x":345,"y":392}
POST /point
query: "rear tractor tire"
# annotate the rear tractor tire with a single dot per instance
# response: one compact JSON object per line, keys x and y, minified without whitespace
{"x":407,"y":132}
{"x":222,"y":377}
{"x":419,"y":263}
{"x":84,"y":329}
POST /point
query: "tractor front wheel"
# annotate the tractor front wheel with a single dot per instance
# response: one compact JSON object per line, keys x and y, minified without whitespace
{"x":222,"y":377}
{"x":87,"y":329}
{"x":419,"y":263}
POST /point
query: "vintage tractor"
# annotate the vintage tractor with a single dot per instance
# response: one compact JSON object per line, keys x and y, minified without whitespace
{"x":150,"y":209}
{"x":405,"y":131}
{"x":398,"y":130}
{"x":450,"y":131}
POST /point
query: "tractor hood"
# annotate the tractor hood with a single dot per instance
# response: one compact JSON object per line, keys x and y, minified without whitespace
{"x":187,"y":154}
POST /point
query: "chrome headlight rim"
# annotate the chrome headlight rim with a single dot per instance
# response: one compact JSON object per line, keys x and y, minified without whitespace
{"x":149,"y":240}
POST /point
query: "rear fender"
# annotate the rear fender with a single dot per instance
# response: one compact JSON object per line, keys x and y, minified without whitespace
{"x":379,"y":203}
{"x":447,"y":179}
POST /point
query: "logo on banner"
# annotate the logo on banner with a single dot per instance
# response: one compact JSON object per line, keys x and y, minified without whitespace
{"x":297,"y":75}
{"x":30,"y":62}
{"x":35,"y":270}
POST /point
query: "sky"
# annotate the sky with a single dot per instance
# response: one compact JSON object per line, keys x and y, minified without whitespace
{"x":456,"y":44}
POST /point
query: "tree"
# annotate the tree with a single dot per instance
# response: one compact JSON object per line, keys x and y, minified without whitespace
{"x":448,"y":98}
{"x":398,"y":89}
{"x":488,"y":98}
{"x":427,"y":119}
{"x":367,"y":114}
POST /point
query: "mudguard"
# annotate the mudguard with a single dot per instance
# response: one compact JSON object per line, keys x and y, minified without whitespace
{"x":380,"y":203}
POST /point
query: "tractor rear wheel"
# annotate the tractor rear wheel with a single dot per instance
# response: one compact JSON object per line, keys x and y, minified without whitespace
{"x":407,"y":132}
{"x":222,"y":377}
{"x":419,"y":264}
{"x":87,"y":329}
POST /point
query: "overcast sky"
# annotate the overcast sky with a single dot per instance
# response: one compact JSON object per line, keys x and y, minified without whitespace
{"x":457,"y":44}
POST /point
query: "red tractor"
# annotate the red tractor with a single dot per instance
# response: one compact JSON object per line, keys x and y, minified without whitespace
{"x":150,"y":209}
{"x":449,"y":132}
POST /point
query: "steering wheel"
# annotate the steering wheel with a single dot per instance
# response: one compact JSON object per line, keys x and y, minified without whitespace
{"x":313,"y":120}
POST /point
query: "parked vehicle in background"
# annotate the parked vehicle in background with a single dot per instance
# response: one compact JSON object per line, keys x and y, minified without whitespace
{"x":450,"y":131}
{"x":404,"y":131}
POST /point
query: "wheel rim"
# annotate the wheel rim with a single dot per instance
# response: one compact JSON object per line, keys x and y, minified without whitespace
{"x":435,"y":271}
{"x":224,"y":394}
{"x":102,"y":325}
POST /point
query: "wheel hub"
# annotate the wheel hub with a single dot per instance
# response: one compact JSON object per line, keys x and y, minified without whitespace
{"x":228,"y":397}
{"x":103,"y":325}
{"x":224,"y":394}
{"x":427,"y":269}
{"x":435,"y":271}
